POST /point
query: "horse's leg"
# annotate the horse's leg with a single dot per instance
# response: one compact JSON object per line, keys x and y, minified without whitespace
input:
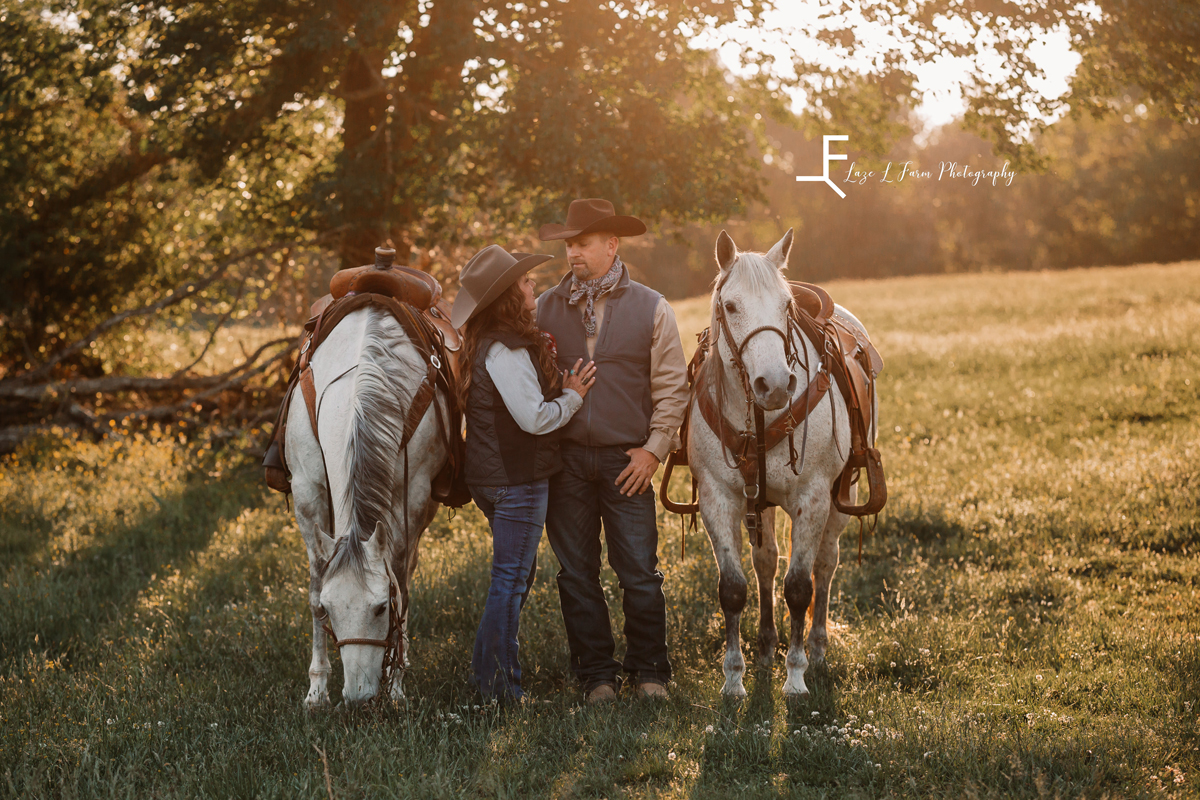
{"x":724,"y":524}
{"x":319,"y":667}
{"x":823,"y":569}
{"x":766,"y":564}
{"x":807,"y":526}
{"x":313,"y":517}
{"x":410,"y":567}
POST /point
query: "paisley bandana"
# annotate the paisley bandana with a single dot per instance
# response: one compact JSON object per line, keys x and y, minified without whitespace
{"x":593,"y":289}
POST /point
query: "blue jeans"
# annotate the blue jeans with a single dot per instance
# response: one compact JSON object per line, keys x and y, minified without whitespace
{"x":516,"y":514}
{"x":582,"y":495}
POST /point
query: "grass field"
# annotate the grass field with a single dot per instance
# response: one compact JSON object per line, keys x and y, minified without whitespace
{"x":1024,"y":622}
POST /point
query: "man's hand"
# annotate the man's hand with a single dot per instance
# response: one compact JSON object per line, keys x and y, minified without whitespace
{"x":636,"y":478}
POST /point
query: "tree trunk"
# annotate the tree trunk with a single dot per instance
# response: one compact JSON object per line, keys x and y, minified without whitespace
{"x":365,"y":183}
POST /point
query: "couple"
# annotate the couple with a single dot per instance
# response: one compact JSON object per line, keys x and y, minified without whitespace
{"x":569,"y":414}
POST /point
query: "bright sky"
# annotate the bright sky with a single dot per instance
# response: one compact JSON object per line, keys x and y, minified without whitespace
{"x":789,"y":26}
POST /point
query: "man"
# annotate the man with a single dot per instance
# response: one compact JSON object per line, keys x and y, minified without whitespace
{"x":611,"y":449}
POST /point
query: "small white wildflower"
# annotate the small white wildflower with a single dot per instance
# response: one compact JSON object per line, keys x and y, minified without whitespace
{"x":879,"y":766}
{"x":161,"y":723}
{"x":870,"y":713}
{"x":644,"y":735}
{"x":928,"y":753}
{"x":111,"y":721}
{"x":212,"y":724}
{"x":708,"y":729}
{"x":1037,"y":677}
{"x":671,"y":756}
{"x":893,"y":664}
{"x":816,"y":713}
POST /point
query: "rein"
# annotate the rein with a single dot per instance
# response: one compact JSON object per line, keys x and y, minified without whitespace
{"x":847,"y":359}
{"x":751,"y":458}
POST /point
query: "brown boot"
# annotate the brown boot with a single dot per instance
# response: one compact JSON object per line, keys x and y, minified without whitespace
{"x":604,"y":693}
{"x":655,"y":691}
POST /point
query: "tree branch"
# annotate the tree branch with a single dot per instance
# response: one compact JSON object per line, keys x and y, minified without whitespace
{"x":123,"y":383}
{"x":166,"y":412}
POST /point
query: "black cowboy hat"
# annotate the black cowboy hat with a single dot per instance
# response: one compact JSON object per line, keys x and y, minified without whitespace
{"x":589,"y":216}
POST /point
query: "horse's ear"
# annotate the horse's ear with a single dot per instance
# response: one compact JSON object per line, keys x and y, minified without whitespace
{"x":778,"y":254}
{"x":324,"y":545}
{"x":377,"y":544}
{"x":727,"y":252}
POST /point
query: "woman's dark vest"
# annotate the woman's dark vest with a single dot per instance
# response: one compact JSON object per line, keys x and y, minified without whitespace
{"x":618,"y":407}
{"x":499,"y":453}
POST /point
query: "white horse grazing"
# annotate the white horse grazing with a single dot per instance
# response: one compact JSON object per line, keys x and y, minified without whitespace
{"x":365,"y":375}
{"x":777,"y":364}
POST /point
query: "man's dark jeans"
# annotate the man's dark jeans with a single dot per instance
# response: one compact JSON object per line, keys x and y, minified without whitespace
{"x":581,"y":495}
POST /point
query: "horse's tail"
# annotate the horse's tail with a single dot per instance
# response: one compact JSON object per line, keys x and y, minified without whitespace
{"x":385,"y":381}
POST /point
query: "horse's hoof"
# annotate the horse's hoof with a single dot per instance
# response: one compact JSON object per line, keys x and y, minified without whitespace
{"x":733,"y":692}
{"x":316,"y":705}
{"x":793,"y":696}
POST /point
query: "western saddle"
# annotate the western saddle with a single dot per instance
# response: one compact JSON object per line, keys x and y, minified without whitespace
{"x":853,"y":362}
{"x":414,"y":298}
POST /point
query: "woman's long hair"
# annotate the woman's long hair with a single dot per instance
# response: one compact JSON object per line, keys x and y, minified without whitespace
{"x":506,"y":313}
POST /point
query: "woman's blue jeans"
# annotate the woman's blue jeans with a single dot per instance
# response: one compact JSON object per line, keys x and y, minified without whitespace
{"x":517,"y":515}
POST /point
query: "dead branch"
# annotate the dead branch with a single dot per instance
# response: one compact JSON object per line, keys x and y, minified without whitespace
{"x":216,"y":328}
{"x":48,"y":392}
{"x":178,"y":294}
{"x":167,"y":412}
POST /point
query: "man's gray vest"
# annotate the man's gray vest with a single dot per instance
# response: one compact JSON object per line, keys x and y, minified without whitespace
{"x":499,"y":453}
{"x":617,"y":409}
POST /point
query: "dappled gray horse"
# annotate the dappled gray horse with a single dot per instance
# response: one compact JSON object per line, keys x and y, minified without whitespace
{"x":759,"y":359}
{"x":362,"y":480}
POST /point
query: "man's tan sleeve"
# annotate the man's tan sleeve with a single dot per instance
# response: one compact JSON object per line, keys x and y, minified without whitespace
{"x":668,"y":383}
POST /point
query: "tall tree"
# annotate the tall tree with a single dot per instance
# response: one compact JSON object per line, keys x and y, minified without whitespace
{"x":146,"y":145}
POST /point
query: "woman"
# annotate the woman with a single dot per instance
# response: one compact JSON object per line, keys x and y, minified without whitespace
{"x":515,"y":400}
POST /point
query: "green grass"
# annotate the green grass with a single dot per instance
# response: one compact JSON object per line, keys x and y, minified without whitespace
{"x":1024,"y":621}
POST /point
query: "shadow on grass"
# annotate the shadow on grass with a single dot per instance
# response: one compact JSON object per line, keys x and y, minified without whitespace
{"x":57,"y":607}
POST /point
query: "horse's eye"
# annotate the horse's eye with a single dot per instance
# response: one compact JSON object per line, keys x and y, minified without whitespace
{"x":379,"y":609}
{"x":730,"y":306}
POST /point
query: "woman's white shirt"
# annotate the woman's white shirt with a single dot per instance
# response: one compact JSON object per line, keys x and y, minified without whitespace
{"x":516,"y":379}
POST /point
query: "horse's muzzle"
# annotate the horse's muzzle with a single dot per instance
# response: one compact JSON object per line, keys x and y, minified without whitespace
{"x":770,"y":398}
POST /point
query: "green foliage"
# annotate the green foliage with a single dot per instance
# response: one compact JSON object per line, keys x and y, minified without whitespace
{"x":1023,"y":623}
{"x":1117,"y":190}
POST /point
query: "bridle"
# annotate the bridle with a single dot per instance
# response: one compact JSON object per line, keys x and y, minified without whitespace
{"x":753,"y":466}
{"x":392,"y":643}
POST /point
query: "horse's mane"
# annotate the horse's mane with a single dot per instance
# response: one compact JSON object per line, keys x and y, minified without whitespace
{"x":385,"y":382}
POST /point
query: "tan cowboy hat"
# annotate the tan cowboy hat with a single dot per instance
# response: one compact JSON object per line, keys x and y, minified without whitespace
{"x":589,"y":216}
{"x":489,"y":272}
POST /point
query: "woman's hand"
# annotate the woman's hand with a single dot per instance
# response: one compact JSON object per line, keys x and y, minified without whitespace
{"x":580,"y":378}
